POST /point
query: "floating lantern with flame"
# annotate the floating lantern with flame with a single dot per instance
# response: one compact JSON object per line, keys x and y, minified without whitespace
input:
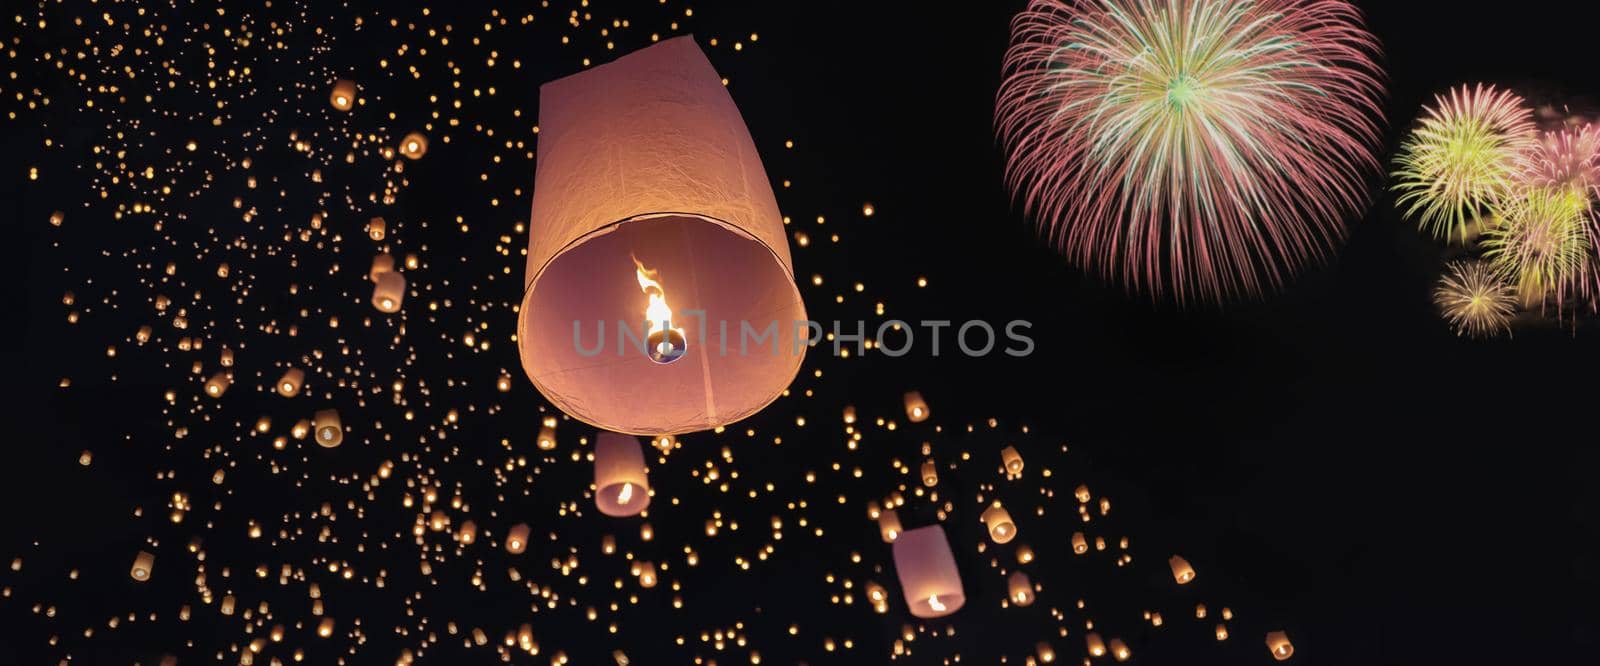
{"x":143,"y":564}
{"x":388,"y":292}
{"x":289,"y":383}
{"x":343,"y":95}
{"x":621,"y":481}
{"x":1278,"y":643}
{"x":927,"y":571}
{"x":647,"y":176}
{"x":1181,"y":571}
{"x":916,"y":408}
{"x":329,"y":430}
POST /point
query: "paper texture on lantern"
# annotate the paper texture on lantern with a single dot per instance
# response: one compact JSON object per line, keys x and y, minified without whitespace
{"x":927,"y":572}
{"x":647,"y":158}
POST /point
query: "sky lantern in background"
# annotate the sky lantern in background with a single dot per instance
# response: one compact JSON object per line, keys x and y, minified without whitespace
{"x":343,"y":96}
{"x":414,"y":146}
{"x":329,"y":430}
{"x":289,"y":383}
{"x":517,"y":539}
{"x":1181,"y":571}
{"x":389,"y":291}
{"x":927,"y":572}
{"x":1278,"y":643}
{"x":218,"y":384}
{"x":143,"y":564}
{"x":621,"y":484}
{"x":889,"y":525}
{"x":377,"y":228}
{"x":916,"y":408}
{"x":998,"y":521}
{"x":1020,"y":588}
{"x":1012,"y":460}
{"x":383,"y":263}
{"x":652,"y":212}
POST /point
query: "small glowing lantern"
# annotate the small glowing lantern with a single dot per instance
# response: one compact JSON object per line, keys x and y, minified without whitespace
{"x":1222,"y":632}
{"x":388,"y":292}
{"x":916,"y":408}
{"x":998,"y":520}
{"x":1046,"y":653}
{"x":377,"y":228}
{"x":1181,"y":571}
{"x":468,"y":533}
{"x":1024,"y":554}
{"x":1082,"y":493}
{"x":1020,"y":588}
{"x":383,"y":263}
{"x":849,"y":414}
{"x":1096,"y":646}
{"x":647,"y":575}
{"x":517,"y":539}
{"x":651,"y":207}
{"x":621,"y":484}
{"x":930,"y":474}
{"x":143,"y":563}
{"x":218,"y":384}
{"x":1119,"y":650}
{"x":289,"y":383}
{"x":547,"y":438}
{"x":888,"y":525}
{"x":1278,"y":643}
{"x":414,"y":146}
{"x":343,"y":96}
{"x":325,"y":627}
{"x":1012,"y":460}
{"x":329,"y":430}
{"x":927,"y":571}
{"x":1080,"y":545}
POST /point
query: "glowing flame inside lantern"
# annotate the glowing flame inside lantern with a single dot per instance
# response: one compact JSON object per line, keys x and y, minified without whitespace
{"x":665,"y":343}
{"x":625,"y":494}
{"x":934,"y":603}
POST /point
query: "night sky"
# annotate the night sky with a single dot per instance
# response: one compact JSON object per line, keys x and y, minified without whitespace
{"x":1332,"y":458}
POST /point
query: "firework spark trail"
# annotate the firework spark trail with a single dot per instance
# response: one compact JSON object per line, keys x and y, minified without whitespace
{"x":1462,"y":158}
{"x":1206,"y":147}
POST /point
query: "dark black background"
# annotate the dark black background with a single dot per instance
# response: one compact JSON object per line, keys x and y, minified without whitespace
{"x":1333,"y":457}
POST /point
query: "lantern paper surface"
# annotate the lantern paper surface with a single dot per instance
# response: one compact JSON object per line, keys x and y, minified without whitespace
{"x":646,"y":163}
{"x":927,"y":572}
{"x":621,"y":484}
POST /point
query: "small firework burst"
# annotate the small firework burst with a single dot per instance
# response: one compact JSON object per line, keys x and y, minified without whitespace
{"x":1205,"y":148}
{"x":1542,"y":241}
{"x":1462,"y":157}
{"x":1476,"y":301}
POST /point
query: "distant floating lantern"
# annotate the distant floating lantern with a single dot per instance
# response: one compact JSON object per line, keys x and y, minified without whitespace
{"x":467,"y":533}
{"x":1024,"y":554}
{"x":517,"y":539}
{"x":888,"y":525}
{"x":383,"y":263}
{"x":329,"y":430}
{"x":649,"y":200}
{"x":1082,"y":493}
{"x":916,"y":408}
{"x":1181,"y":571}
{"x":930,"y":473}
{"x":1119,"y":650}
{"x":927,"y":571}
{"x":647,"y":575}
{"x":621,"y":482}
{"x":1012,"y":460}
{"x":343,"y":96}
{"x":1278,"y":643}
{"x":218,"y":384}
{"x":1095,"y":645}
{"x":1020,"y":589}
{"x":1046,"y":653}
{"x":388,"y":292}
{"x":289,"y":383}
{"x":849,"y":414}
{"x":414,"y":146}
{"x":143,"y":564}
{"x":547,"y":438}
{"x":1080,"y":545}
{"x":1222,"y":632}
{"x":377,"y":228}
{"x":998,"y":520}
{"x":57,"y":218}
{"x":325,"y":627}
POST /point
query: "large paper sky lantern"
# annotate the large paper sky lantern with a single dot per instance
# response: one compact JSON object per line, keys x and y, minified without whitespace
{"x":651,"y":208}
{"x":927,"y":571}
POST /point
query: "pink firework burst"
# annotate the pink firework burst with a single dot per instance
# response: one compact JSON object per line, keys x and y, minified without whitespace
{"x":1206,"y":148}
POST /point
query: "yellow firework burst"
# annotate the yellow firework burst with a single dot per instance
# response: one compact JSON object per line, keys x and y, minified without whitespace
{"x":1475,"y":299}
{"x":1542,"y":242}
{"x":1462,"y":157}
